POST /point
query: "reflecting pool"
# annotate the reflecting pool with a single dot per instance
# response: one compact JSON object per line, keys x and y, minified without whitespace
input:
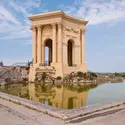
{"x":67,"y":97}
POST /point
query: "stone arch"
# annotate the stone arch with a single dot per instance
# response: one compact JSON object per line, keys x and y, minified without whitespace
{"x":70,"y":50}
{"x":48,"y":51}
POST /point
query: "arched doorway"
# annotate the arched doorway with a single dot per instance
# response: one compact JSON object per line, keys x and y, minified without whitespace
{"x":70,"y":53}
{"x":48,"y":52}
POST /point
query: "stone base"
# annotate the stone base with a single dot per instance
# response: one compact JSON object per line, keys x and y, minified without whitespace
{"x":59,"y":69}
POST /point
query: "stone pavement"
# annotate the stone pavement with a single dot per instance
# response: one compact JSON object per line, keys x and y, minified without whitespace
{"x":13,"y":114}
{"x":115,"y":116}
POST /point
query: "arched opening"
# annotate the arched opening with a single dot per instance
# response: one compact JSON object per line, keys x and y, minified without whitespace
{"x":48,"y":52}
{"x":70,"y":53}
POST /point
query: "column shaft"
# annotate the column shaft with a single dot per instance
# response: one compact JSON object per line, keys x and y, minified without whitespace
{"x":54,"y":43}
{"x":59,"y":42}
{"x":83,"y":46}
{"x":39,"y":47}
{"x":43,"y":54}
{"x":75,"y":57}
{"x":65,"y":53}
{"x":34,"y":45}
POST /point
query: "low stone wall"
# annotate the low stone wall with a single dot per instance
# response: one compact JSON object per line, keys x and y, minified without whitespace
{"x":60,"y":113}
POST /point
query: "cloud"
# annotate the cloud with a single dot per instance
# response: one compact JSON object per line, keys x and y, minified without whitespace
{"x":7,"y":16}
{"x":97,"y":11}
{"x":14,"y":23}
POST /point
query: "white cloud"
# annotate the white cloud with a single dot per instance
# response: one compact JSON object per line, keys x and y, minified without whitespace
{"x":98,"y":11}
{"x":6,"y":15}
{"x":14,"y":19}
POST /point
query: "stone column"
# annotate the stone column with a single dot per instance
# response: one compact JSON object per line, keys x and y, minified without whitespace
{"x":39,"y":46}
{"x":50,"y":55}
{"x":34,"y":44}
{"x":59,"y":42}
{"x":65,"y":53}
{"x":54,"y":43}
{"x":75,"y":55}
{"x":83,"y":46}
{"x":43,"y":53}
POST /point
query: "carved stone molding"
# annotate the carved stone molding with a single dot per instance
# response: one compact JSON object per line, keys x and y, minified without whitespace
{"x":75,"y":30}
{"x":68,"y":28}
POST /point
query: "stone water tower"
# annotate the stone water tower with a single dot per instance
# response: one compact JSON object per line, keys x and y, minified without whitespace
{"x":63,"y":35}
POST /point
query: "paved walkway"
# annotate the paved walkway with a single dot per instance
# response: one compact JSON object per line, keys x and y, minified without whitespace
{"x":115,"y":116}
{"x":13,"y":114}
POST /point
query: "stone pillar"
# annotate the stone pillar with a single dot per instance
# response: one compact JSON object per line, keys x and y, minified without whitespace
{"x":59,"y":42}
{"x":75,"y":55}
{"x":65,"y":53}
{"x":43,"y":54}
{"x":54,"y":43}
{"x":83,"y":46}
{"x":39,"y":45}
{"x":49,"y":55}
{"x":34,"y":44}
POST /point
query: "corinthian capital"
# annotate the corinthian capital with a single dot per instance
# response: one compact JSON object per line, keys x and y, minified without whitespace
{"x":53,"y":25}
{"x":83,"y":30}
{"x":59,"y":25}
{"x":33,"y":27}
{"x":39,"y":27}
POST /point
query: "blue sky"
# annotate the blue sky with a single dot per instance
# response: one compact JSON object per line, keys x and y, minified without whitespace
{"x":105,"y":33}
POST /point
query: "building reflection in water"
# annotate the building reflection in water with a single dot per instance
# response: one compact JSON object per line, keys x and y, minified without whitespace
{"x":60,"y":97}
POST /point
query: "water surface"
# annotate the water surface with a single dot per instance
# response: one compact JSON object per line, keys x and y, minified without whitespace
{"x":68,"y":97}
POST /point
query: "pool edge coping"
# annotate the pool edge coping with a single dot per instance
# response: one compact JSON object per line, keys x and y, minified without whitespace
{"x":60,"y":113}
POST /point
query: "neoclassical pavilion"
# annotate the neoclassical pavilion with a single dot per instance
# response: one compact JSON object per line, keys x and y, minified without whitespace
{"x":57,"y":44}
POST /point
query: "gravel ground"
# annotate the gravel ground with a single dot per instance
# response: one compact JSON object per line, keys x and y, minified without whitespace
{"x":13,"y":114}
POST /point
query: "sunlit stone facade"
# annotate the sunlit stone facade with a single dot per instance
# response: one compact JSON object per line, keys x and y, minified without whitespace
{"x":63,"y":35}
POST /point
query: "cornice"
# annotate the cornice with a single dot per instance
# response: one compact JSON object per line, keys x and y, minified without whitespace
{"x":57,"y":14}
